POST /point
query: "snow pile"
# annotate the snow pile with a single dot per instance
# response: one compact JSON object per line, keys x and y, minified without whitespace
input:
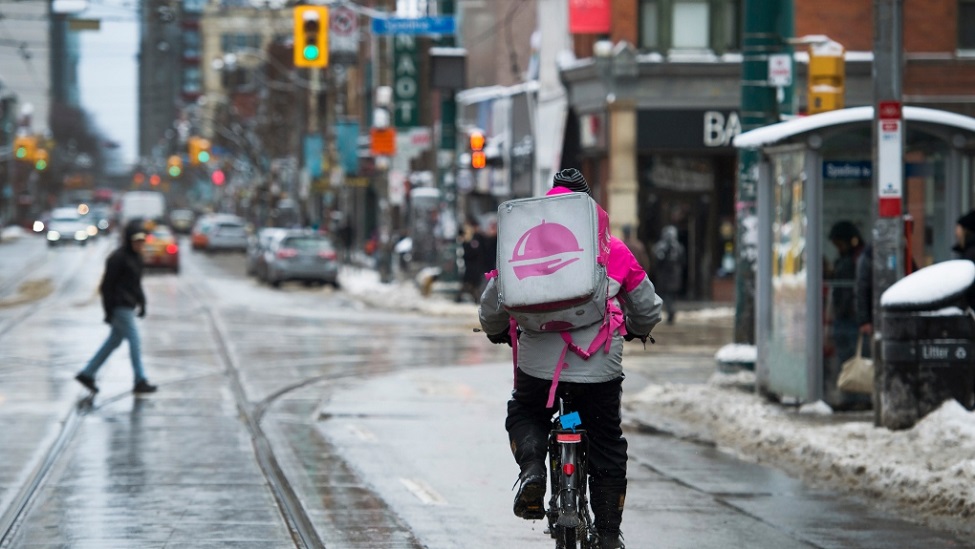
{"x":929,"y":469}
{"x":933,"y":284}
{"x":13,"y":232}
{"x":365,"y":285}
{"x":737,"y":353}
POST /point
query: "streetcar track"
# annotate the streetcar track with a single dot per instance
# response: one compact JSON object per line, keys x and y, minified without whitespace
{"x":32,"y":307}
{"x":303,"y":532}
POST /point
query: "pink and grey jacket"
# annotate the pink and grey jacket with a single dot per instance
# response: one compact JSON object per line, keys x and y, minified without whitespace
{"x":539,"y":353}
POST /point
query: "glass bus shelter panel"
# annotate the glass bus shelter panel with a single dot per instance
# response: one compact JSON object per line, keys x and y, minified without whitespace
{"x":926,"y":200}
{"x":787,"y":344}
{"x":848,"y":203}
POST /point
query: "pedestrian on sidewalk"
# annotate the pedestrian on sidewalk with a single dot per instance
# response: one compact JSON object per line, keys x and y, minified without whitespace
{"x":122,"y":300}
{"x":474,"y":243}
{"x":669,"y":255}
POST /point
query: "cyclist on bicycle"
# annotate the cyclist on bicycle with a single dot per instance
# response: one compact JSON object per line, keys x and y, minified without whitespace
{"x":594,"y":384}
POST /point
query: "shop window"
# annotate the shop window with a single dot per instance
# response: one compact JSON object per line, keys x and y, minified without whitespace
{"x":690,"y":25}
{"x":966,"y":25}
{"x":650,"y":25}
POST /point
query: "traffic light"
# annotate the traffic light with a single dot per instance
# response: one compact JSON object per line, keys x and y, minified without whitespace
{"x":826,"y":77}
{"x":25,"y":147}
{"x":174,"y":166}
{"x":311,"y":36}
{"x":199,"y":151}
{"x":40,"y":160}
{"x":218,"y":177}
{"x":478,"y":157}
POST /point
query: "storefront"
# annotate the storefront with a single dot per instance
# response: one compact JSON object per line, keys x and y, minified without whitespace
{"x":816,"y":206}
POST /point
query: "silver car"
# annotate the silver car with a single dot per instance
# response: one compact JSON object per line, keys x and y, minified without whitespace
{"x":67,"y":226}
{"x":257,"y":247}
{"x":227,"y":233}
{"x":301,"y":256}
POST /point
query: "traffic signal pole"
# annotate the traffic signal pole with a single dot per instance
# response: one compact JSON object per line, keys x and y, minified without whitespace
{"x":768,"y":27}
{"x":888,"y":231}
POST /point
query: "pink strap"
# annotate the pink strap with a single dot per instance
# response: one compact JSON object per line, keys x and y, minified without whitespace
{"x":491,"y":274}
{"x":558,"y":369}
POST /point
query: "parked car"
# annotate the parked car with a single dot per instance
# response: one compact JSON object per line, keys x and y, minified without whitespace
{"x":227,"y":233}
{"x":66,"y":226}
{"x":301,"y":256}
{"x":161,"y":249}
{"x":258,"y":245}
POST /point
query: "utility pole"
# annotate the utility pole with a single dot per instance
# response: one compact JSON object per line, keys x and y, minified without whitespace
{"x":888,"y":157}
{"x":768,"y":27}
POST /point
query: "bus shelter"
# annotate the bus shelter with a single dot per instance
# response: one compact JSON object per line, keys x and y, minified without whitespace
{"x":816,"y":207}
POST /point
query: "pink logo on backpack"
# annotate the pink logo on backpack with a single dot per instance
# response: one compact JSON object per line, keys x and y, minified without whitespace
{"x":544,"y":249}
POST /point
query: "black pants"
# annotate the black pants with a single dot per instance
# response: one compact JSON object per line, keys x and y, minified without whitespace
{"x":598,"y":404}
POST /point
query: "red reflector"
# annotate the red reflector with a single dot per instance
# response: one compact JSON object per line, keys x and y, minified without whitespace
{"x":568,"y":437}
{"x":327,"y":255}
{"x":568,"y":468}
{"x":287,"y":253}
{"x":172,"y":249}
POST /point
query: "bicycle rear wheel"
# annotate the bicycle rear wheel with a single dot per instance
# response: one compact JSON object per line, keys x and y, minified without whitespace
{"x":568,"y":535}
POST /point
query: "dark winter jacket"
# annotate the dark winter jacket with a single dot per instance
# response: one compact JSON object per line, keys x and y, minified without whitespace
{"x":122,"y":282}
{"x":864,"y":286}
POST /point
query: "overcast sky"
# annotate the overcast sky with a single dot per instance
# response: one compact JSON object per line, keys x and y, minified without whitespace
{"x":108,"y":74}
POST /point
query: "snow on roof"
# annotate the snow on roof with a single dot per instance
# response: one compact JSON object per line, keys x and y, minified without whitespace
{"x":768,"y":135}
{"x":931,"y":286}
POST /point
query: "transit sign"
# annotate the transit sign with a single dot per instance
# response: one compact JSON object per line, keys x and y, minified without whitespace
{"x":890,"y":158}
{"x":415,"y":25}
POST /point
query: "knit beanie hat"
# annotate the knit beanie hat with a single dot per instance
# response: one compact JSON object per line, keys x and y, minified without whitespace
{"x":571,"y":179}
{"x":967,"y":221}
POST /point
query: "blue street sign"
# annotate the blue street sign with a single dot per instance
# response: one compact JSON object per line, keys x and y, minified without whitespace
{"x":418,"y":25}
{"x":848,"y":169}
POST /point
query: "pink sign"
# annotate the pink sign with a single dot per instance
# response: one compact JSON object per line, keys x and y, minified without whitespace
{"x":589,"y":16}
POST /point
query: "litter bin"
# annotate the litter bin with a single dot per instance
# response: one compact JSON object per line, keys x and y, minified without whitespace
{"x":928,"y":345}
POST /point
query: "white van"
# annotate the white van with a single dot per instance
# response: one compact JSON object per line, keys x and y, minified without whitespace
{"x":147,"y":205}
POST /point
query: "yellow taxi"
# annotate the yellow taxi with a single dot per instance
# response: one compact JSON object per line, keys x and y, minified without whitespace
{"x":161,"y":249}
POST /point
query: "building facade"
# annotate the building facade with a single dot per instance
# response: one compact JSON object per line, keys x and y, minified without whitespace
{"x":686,"y":97}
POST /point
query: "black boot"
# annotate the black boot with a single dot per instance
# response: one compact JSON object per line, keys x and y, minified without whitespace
{"x":607,"y":497}
{"x":530,"y":499}
{"x":528,"y":447}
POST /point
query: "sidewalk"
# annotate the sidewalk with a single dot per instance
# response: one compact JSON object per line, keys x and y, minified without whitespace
{"x":926,"y":473}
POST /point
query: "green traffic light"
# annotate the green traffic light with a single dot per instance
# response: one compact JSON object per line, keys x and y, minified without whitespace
{"x":21,"y":152}
{"x":310,"y":52}
{"x":41,"y":164}
{"x":203,"y":157}
{"x":174,"y":171}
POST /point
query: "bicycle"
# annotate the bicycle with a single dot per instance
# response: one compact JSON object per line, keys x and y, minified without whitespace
{"x":569,"y":520}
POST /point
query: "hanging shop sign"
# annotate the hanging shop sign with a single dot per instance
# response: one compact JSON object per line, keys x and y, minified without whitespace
{"x":406,"y":82}
{"x":589,"y":16}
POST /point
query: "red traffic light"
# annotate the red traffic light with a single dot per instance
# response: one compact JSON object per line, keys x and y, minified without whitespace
{"x":139,"y":178}
{"x":217,"y":177}
{"x":154,"y":180}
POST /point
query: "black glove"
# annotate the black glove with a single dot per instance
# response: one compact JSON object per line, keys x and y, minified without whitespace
{"x":108,"y":317}
{"x":499,"y":338}
{"x":142,"y":312}
{"x":630,"y":336}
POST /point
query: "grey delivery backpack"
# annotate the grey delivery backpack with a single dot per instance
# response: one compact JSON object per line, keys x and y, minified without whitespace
{"x":552,"y":254}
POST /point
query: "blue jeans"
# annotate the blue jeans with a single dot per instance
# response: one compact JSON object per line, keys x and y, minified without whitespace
{"x":123,"y":327}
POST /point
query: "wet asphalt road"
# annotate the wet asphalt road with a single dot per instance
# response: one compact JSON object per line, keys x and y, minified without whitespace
{"x":387,"y":426}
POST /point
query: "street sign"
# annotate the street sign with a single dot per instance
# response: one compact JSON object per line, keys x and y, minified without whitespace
{"x":780,"y":70}
{"x":416,"y":26}
{"x":383,"y":142}
{"x":890,"y":159}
